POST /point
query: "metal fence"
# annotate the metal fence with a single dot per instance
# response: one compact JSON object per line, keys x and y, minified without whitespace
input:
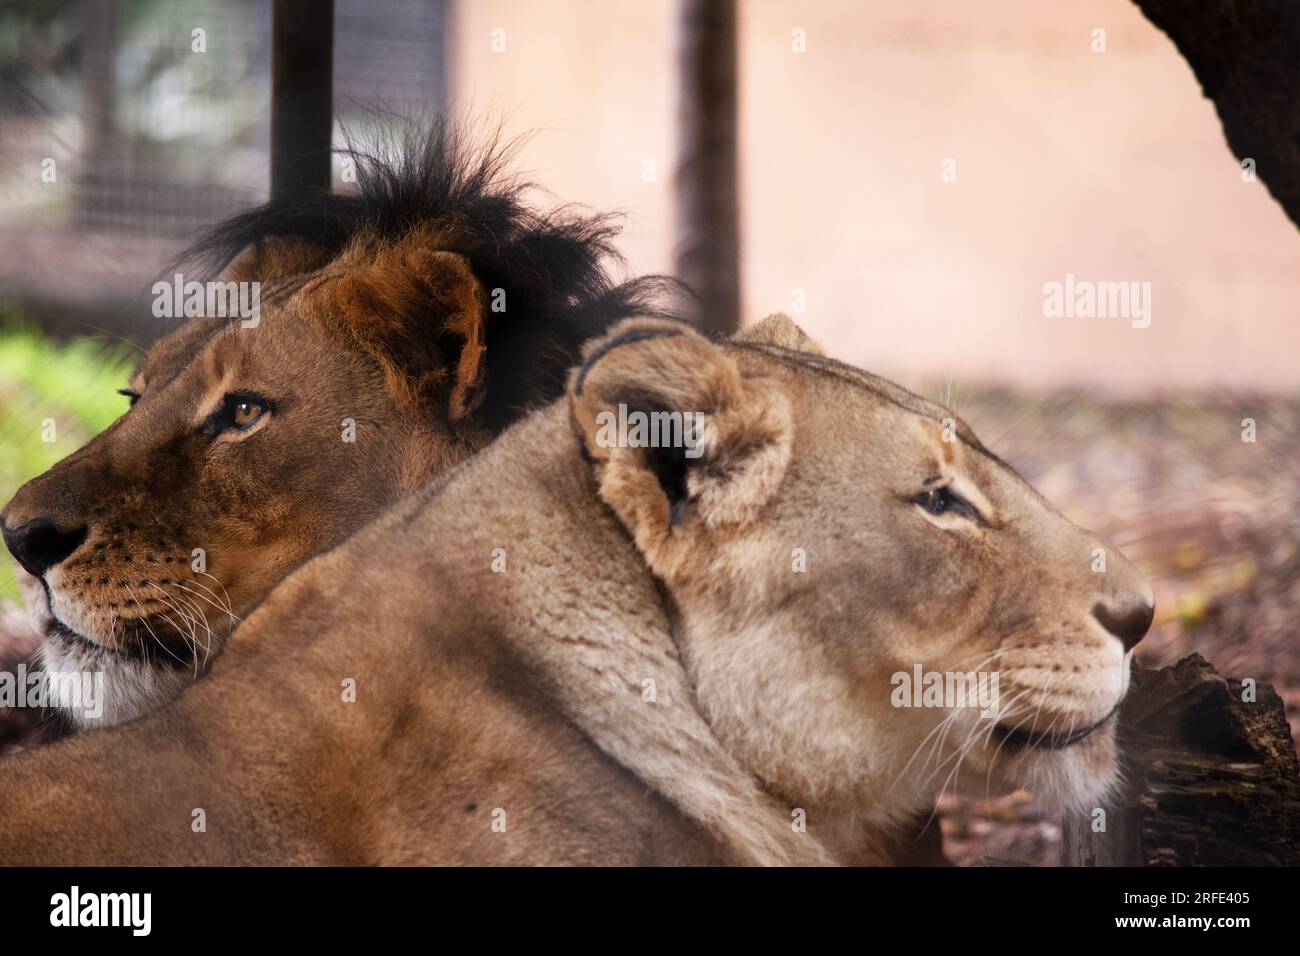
{"x":126,"y":125}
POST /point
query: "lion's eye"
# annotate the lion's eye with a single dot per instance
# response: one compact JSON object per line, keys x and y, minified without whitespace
{"x":246,"y":413}
{"x":939,"y":501}
{"x":130,"y":394}
{"x":242,"y":411}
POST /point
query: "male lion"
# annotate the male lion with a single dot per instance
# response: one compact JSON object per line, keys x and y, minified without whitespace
{"x":628,"y":653}
{"x":400,"y":329}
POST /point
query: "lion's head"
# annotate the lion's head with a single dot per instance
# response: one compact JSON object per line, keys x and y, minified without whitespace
{"x":400,"y":328}
{"x":824,"y":537}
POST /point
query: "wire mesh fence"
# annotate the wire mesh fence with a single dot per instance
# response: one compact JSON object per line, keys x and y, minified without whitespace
{"x":128,"y":125}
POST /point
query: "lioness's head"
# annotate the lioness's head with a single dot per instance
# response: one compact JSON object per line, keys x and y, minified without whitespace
{"x":827,"y":539}
{"x":398,"y":330}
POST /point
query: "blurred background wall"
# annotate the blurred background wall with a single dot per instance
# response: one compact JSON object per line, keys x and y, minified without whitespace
{"x":1107,"y":165}
{"x":911,"y":174}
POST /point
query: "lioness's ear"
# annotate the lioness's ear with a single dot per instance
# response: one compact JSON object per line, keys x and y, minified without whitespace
{"x":682,"y":443}
{"x":779,"y":329}
{"x":421,"y":311}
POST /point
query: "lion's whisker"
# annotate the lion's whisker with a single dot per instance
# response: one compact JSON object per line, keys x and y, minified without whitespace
{"x":145,"y":621}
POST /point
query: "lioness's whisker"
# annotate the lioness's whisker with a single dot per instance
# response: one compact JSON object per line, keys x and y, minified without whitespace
{"x":942,"y":725}
{"x":993,"y":725}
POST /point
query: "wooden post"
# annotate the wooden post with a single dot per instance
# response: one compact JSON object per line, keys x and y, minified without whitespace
{"x":99,"y":150}
{"x":302,"y":111}
{"x":98,"y":56}
{"x":708,"y":231}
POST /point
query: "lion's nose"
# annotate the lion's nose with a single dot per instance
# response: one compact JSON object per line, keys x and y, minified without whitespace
{"x":1129,"y":622}
{"x":39,"y":545}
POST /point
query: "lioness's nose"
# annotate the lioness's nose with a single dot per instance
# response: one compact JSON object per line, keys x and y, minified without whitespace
{"x":39,"y":544}
{"x":1128,"y":622}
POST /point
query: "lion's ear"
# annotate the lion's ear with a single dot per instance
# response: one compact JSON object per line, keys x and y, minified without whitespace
{"x":276,"y":257}
{"x":683,"y":444}
{"x":421,"y":311}
{"x":779,"y":329}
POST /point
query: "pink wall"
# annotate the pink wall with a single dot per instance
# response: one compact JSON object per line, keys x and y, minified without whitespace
{"x":1107,"y":165}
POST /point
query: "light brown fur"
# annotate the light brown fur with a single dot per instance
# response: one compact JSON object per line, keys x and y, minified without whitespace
{"x":518,"y":694}
{"x":887,"y":586}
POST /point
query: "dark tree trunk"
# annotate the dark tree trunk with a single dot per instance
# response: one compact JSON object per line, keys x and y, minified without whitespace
{"x":1212,"y":779}
{"x":302,"y":100}
{"x":708,"y":231}
{"x":1246,"y":56}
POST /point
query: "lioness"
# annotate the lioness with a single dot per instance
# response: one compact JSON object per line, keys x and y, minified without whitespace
{"x":631,"y":651}
{"x":400,"y":329}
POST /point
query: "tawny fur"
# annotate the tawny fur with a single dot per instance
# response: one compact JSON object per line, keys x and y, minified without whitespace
{"x":500,"y":643}
{"x":257,"y":504}
{"x":808,"y":457}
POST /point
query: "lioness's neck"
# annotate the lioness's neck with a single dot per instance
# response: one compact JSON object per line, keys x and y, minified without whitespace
{"x":574,"y":599}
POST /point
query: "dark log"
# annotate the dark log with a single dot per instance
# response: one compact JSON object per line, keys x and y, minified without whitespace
{"x":1213,"y":780}
{"x":708,"y":230}
{"x":1246,"y":56}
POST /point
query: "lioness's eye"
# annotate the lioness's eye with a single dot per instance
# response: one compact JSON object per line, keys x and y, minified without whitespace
{"x":131,"y":394}
{"x":939,"y":501}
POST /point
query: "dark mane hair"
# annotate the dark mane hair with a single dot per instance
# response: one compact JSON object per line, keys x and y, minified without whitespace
{"x":554,"y":265}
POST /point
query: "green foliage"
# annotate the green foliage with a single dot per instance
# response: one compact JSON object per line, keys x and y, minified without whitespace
{"x":72,"y":385}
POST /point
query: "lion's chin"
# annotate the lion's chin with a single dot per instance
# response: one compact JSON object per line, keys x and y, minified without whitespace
{"x":35,"y":600}
{"x":126,"y":640}
{"x":109,"y":688}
